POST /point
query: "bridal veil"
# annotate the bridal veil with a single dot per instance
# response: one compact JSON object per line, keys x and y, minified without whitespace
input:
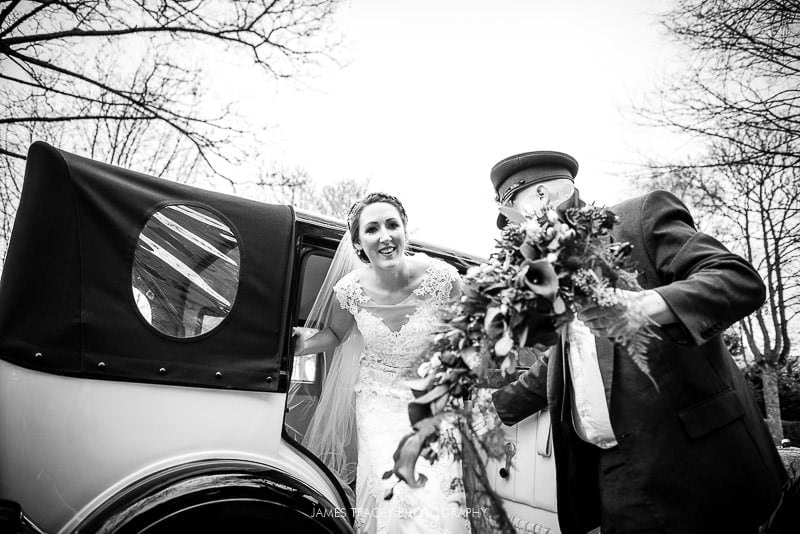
{"x":331,"y":433}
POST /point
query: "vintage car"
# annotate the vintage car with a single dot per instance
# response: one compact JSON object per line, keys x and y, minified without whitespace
{"x":145,"y":359}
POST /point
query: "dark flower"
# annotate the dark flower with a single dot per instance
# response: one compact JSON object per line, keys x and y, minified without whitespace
{"x":405,"y":457}
{"x":420,"y":407}
{"x":540,"y":277}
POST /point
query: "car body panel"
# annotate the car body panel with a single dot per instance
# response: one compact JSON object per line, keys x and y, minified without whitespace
{"x":69,"y":444}
{"x":528,"y":490}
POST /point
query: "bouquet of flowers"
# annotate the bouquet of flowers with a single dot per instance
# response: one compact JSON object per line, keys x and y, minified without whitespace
{"x":544,"y":269}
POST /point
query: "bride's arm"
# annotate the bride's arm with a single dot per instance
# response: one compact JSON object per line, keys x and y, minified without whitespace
{"x":327,"y":338}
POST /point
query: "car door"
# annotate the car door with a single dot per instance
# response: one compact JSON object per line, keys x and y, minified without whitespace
{"x":308,"y":371}
{"x":526,"y":477}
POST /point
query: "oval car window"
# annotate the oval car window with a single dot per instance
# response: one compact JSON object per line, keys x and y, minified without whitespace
{"x":185,"y":271}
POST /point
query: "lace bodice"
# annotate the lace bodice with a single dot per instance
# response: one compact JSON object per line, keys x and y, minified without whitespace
{"x":395,"y":334}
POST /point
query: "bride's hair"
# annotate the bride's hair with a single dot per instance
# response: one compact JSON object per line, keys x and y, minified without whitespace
{"x":354,"y":216}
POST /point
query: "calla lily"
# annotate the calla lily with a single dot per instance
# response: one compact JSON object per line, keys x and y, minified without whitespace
{"x":407,"y":453}
{"x":541,"y":278}
{"x":422,"y":406}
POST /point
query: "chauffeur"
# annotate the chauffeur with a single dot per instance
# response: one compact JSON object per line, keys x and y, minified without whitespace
{"x":692,"y":456}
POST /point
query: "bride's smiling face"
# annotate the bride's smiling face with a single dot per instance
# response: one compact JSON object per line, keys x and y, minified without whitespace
{"x":382,"y":235}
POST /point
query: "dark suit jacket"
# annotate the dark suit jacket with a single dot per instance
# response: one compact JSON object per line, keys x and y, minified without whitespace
{"x":697,"y":449}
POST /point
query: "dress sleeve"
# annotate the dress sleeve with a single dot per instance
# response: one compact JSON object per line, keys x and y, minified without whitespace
{"x":345,"y":290}
{"x":441,"y":282}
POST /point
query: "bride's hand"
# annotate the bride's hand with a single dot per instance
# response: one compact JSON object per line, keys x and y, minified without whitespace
{"x":299,"y":337}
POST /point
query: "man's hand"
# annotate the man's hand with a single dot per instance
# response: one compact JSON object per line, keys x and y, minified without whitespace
{"x":601,"y":319}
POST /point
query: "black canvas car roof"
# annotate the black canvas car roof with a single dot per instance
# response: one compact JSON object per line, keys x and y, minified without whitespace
{"x":66,"y":303}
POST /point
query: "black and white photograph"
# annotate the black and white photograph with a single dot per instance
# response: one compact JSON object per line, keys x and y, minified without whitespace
{"x":400,"y":267}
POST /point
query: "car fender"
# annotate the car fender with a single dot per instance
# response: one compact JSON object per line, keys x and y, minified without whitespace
{"x":211,"y":490}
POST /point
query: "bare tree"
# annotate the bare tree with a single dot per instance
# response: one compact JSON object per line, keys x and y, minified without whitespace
{"x":739,"y":99}
{"x":335,"y":200}
{"x":286,"y":186}
{"x":742,"y":74}
{"x":120,"y":80}
{"x":294,"y":186}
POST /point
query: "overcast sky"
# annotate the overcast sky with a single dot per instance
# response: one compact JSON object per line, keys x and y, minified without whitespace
{"x":436,"y":91}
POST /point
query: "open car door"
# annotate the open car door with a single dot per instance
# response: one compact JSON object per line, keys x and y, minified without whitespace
{"x":526,"y":478}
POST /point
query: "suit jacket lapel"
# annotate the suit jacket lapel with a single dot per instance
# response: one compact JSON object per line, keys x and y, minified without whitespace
{"x":605,"y":349}
{"x":557,"y":373}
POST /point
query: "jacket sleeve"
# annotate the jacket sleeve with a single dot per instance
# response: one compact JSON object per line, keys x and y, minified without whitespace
{"x":706,"y":286}
{"x":523,"y":397}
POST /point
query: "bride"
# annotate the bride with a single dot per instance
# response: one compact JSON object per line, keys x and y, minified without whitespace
{"x":381,"y":319}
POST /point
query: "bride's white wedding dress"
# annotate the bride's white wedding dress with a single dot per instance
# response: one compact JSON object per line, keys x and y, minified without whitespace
{"x":394,"y":336}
